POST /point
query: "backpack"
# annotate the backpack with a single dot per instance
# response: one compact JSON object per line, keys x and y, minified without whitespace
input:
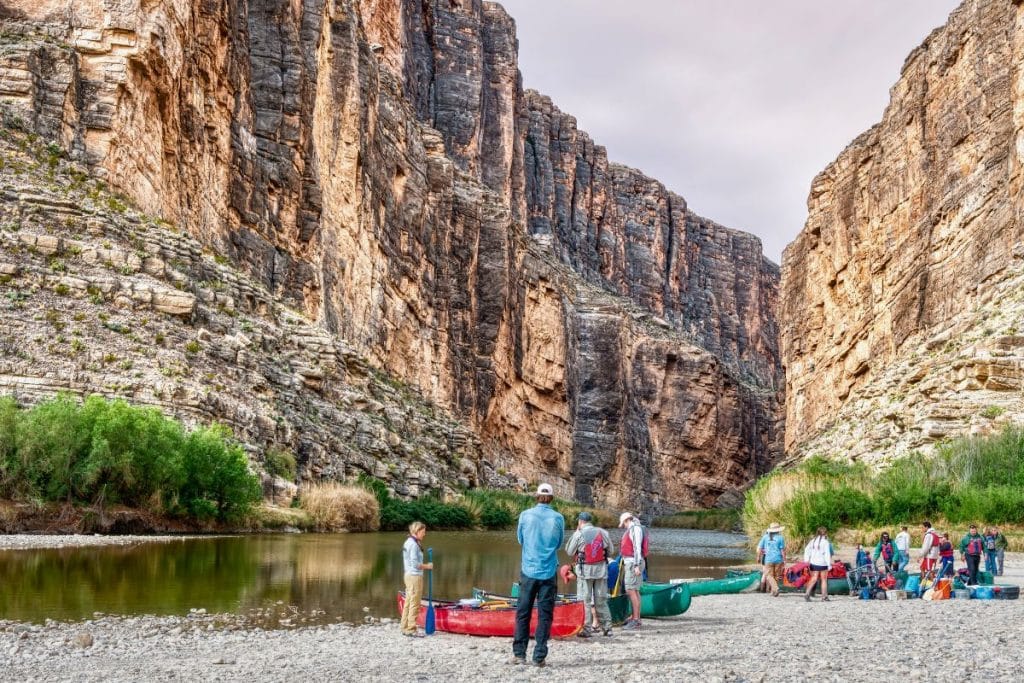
{"x":594,"y":551}
{"x":974,"y":546}
{"x":797,"y":575}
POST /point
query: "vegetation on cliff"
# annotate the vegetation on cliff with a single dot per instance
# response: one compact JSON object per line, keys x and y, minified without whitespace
{"x":102,"y":452}
{"x":976,"y":479}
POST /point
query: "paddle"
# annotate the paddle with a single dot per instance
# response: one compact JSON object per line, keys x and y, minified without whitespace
{"x":618,"y":578}
{"x":429,"y":626}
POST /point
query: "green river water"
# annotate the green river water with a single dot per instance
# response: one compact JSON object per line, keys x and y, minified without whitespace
{"x":298,"y":578}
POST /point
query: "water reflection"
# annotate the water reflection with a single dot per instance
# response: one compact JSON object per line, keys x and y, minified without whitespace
{"x":327,"y":578}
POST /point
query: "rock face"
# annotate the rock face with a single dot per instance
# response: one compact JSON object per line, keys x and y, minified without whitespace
{"x":902,"y":297}
{"x":377,"y":167}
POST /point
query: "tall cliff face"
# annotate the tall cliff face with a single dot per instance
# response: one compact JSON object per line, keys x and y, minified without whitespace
{"x":378,"y":167}
{"x":901,"y":298}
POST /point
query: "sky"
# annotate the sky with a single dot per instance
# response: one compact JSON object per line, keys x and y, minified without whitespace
{"x":734,"y":104}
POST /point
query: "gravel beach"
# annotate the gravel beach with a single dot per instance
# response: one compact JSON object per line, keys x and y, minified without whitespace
{"x":747,"y":637}
{"x":30,"y":541}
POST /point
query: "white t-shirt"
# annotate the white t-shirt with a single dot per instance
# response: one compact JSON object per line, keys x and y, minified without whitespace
{"x":903,"y":542}
{"x":819,"y":552}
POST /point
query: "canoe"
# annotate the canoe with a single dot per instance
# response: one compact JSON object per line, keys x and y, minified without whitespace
{"x":497,"y":619}
{"x":656,"y":600}
{"x":730,"y":584}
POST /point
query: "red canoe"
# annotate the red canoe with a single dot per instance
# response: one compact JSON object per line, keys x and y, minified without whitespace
{"x":497,"y":620}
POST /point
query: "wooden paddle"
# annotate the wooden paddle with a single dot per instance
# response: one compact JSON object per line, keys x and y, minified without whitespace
{"x":618,"y":578}
{"x":429,"y":627}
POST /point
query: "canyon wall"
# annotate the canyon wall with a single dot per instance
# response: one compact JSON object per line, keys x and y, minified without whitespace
{"x":377,"y":168}
{"x":903,"y":297}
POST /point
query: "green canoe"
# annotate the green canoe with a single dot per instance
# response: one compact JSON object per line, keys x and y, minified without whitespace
{"x":656,"y":600}
{"x":730,"y":584}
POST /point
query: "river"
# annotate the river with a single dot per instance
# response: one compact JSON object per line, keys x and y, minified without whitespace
{"x":289,"y":580}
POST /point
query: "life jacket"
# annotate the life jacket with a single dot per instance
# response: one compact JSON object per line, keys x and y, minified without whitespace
{"x":945,"y":549}
{"x":594,"y":550}
{"x":935,"y":539}
{"x":974,"y":546}
{"x":837,"y":570}
{"x":863,"y":558}
{"x":797,"y":575}
{"x":888,"y":551}
{"x":990,"y":543}
{"x":627,"y":543}
{"x":888,"y":582}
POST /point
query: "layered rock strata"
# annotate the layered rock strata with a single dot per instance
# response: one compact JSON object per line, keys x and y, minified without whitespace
{"x":377,"y":167}
{"x":901,"y":298}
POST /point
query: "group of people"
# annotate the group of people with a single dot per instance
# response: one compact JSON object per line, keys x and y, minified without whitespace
{"x":937,"y":550}
{"x":540,"y":533}
{"x":936,"y":555}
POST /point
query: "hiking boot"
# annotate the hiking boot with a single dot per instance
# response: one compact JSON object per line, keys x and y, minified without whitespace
{"x":517,"y":660}
{"x":539,"y":663}
{"x":825,"y":599}
{"x":585,"y":633}
{"x":608,"y":632}
{"x":631,"y":626}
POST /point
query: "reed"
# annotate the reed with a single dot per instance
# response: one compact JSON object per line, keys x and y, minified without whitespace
{"x":333,"y":506}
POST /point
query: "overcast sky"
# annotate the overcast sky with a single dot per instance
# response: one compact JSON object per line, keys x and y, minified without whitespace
{"x":734,"y":104}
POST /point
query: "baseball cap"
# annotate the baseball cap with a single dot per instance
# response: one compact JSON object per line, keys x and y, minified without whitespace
{"x":624,"y":517}
{"x":585,"y":516}
{"x":544,"y":490}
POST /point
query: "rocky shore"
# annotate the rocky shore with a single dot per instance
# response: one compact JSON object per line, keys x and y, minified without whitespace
{"x":747,"y":637}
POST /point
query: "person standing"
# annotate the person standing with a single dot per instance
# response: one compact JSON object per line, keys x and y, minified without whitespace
{"x":886,"y":550}
{"x":946,"y":557}
{"x":540,"y":532}
{"x":772,"y":550}
{"x":412,"y":560}
{"x":929,"y":548}
{"x":818,"y":554}
{"x":903,"y":548}
{"x":991,"y":551}
{"x":1001,"y":545}
{"x":971,"y":547}
{"x":634,"y":554}
{"x":591,"y":546}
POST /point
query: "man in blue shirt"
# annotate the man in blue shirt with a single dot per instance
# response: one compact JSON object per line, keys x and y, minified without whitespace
{"x":771,"y":552}
{"x":540,"y":532}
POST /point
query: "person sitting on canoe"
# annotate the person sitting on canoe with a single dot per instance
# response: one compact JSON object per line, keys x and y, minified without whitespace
{"x":771,"y":550}
{"x":634,"y":552}
{"x":591,"y":546}
{"x":540,"y":533}
{"x":412,"y":559}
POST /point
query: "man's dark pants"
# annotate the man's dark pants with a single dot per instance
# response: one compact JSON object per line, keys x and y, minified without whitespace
{"x":972,"y":569}
{"x":543,"y":591}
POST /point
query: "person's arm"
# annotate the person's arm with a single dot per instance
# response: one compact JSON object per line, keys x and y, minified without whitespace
{"x":878,"y":552}
{"x":572,"y":547}
{"x":519,"y":529}
{"x":637,"y":534}
{"x":963,"y":545}
{"x":609,"y":544}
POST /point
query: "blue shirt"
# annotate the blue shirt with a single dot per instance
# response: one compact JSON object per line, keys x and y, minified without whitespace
{"x":772,"y":548}
{"x":540,"y":532}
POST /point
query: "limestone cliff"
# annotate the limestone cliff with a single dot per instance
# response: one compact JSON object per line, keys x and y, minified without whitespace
{"x":902,"y":297}
{"x":377,"y":167}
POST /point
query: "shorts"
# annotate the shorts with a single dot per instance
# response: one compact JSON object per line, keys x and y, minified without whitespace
{"x":820,"y":568}
{"x":632,"y":581}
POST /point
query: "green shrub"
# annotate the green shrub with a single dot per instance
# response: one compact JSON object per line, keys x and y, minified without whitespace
{"x":100,"y":452}
{"x":280,"y":463}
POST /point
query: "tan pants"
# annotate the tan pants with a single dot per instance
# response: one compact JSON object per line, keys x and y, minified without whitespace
{"x":413,"y":597}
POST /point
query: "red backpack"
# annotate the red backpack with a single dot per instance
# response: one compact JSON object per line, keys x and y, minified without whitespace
{"x":594,"y":551}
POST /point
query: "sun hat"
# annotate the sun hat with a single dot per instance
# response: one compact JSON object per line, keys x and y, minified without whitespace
{"x":775,"y":528}
{"x":624,"y":517}
{"x":544,"y":490}
{"x":585,"y":516}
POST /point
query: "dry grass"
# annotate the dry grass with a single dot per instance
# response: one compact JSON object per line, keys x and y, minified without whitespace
{"x":338,"y":507}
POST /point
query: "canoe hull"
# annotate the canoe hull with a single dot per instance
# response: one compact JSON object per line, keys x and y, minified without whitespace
{"x":730,"y":584}
{"x":451,"y":617}
{"x":656,"y":600}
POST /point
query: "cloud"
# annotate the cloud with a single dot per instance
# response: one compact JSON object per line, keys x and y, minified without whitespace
{"x":734,"y":105}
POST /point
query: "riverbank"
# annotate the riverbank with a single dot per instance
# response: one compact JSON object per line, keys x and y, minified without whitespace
{"x":30,"y":541}
{"x":747,"y":637}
